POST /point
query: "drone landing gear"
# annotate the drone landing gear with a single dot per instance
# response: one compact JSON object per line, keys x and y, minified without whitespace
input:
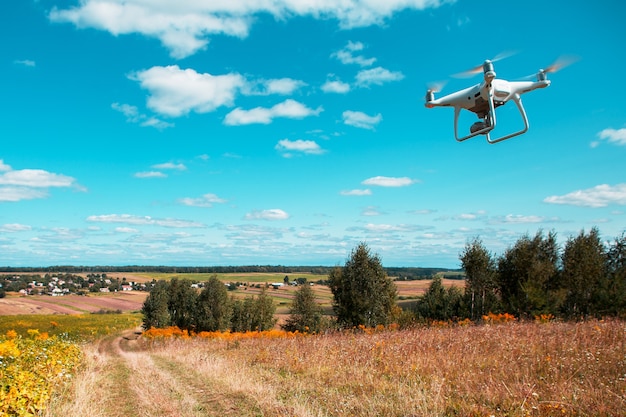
{"x":484,"y":127}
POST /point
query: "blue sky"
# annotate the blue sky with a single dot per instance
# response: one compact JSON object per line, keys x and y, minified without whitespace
{"x":287,"y":131}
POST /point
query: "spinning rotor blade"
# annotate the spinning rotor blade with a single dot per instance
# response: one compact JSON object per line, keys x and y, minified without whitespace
{"x":560,"y":63}
{"x":435,"y":87}
{"x":479,"y":68}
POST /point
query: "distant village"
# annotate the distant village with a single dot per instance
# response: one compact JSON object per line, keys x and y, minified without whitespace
{"x":58,"y":284}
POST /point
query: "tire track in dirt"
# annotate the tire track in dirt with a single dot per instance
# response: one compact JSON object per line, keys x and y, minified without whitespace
{"x":142,"y":383}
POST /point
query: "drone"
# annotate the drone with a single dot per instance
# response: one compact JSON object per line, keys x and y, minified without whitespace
{"x":483,"y":99}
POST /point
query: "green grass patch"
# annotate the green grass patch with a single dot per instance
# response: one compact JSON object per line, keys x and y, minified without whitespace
{"x":80,"y":327}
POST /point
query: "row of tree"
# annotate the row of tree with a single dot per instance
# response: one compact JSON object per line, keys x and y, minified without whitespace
{"x":176,"y":303}
{"x":586,"y":278}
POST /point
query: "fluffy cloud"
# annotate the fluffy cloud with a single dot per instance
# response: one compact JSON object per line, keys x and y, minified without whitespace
{"x":150,"y":174}
{"x":286,"y":147}
{"x":616,"y":136}
{"x":143,"y":221}
{"x":184,"y":27}
{"x":133,"y":116}
{"x":271,"y":214}
{"x":388,"y":181}
{"x":347,"y":55}
{"x":28,"y":184}
{"x":356,"y":192}
{"x":360,"y":119}
{"x":170,"y":165}
{"x":288,"y":109}
{"x":207,"y":200}
{"x":598,"y":196}
{"x":282,"y":86}
{"x":335,"y":86}
{"x":176,"y":92}
{"x":377,"y":76}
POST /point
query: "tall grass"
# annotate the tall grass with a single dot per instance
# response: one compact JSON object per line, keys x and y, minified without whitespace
{"x":509,"y":369}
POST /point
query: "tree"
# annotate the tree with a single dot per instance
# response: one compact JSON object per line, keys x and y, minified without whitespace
{"x":182,"y":303}
{"x":480,"y":273}
{"x":213,"y":308}
{"x":363,"y":294}
{"x":584,"y":274}
{"x":438,"y":303}
{"x":527,"y":273}
{"x":253,"y":313}
{"x":305,"y":315}
{"x":155,"y":308}
{"x":616,"y":263}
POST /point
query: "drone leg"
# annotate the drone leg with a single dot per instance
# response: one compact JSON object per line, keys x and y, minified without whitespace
{"x":518,"y":101}
{"x":485,"y":131}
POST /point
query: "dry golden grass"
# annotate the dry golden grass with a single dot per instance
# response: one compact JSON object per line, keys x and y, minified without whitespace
{"x":512,"y":369}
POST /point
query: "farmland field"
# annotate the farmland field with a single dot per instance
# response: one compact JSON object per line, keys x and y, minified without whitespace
{"x":512,"y":369}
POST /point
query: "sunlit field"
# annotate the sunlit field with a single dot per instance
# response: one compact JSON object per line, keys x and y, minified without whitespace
{"x":499,"y":369}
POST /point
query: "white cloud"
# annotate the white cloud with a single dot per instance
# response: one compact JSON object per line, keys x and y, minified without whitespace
{"x":287,"y":146}
{"x":371,"y":211}
{"x":176,"y":92}
{"x":170,"y":165}
{"x":150,"y":174}
{"x":335,"y":86}
{"x":289,"y":109}
{"x":21,"y":193}
{"x":388,"y":181}
{"x":35,"y":178}
{"x":126,"y":230}
{"x":4,"y":167}
{"x":184,"y":27}
{"x":133,"y":116}
{"x":598,"y":196}
{"x":271,"y":214}
{"x":360,"y":119}
{"x":519,"y":219}
{"x":206,"y":200}
{"x":143,"y":221}
{"x":616,"y":136}
{"x":281,"y":86}
{"x":25,"y":62}
{"x":356,"y":192}
{"x":347,"y":56}
{"x":15,"y":227}
{"x":377,"y":76}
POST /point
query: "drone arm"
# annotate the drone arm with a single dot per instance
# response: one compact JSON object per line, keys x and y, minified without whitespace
{"x":518,"y":101}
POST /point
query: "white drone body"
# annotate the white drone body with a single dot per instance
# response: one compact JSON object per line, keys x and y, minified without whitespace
{"x":484,"y":98}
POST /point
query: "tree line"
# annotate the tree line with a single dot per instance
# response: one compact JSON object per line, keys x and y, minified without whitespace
{"x":534,"y":277}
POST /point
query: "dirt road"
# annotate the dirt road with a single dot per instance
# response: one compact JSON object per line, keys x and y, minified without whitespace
{"x":127,"y":378}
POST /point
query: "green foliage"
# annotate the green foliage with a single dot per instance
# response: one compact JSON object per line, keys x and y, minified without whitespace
{"x":439,"y":303}
{"x":253,"y":313}
{"x":481,"y":284}
{"x":526,"y":275}
{"x":305,"y":315}
{"x":213,"y":307}
{"x":155,"y":309}
{"x":584,"y":275}
{"x":363,"y":293}
{"x":616,"y":285}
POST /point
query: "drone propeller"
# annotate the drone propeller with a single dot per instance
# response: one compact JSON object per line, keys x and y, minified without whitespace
{"x":479,"y":68}
{"x":435,"y":87}
{"x":560,"y":63}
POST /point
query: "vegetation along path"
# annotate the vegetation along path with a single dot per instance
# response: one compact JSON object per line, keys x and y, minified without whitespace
{"x":128,"y":376}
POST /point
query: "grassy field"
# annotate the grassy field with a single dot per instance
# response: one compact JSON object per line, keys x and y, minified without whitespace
{"x":78,"y":327}
{"x":513,"y":369}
